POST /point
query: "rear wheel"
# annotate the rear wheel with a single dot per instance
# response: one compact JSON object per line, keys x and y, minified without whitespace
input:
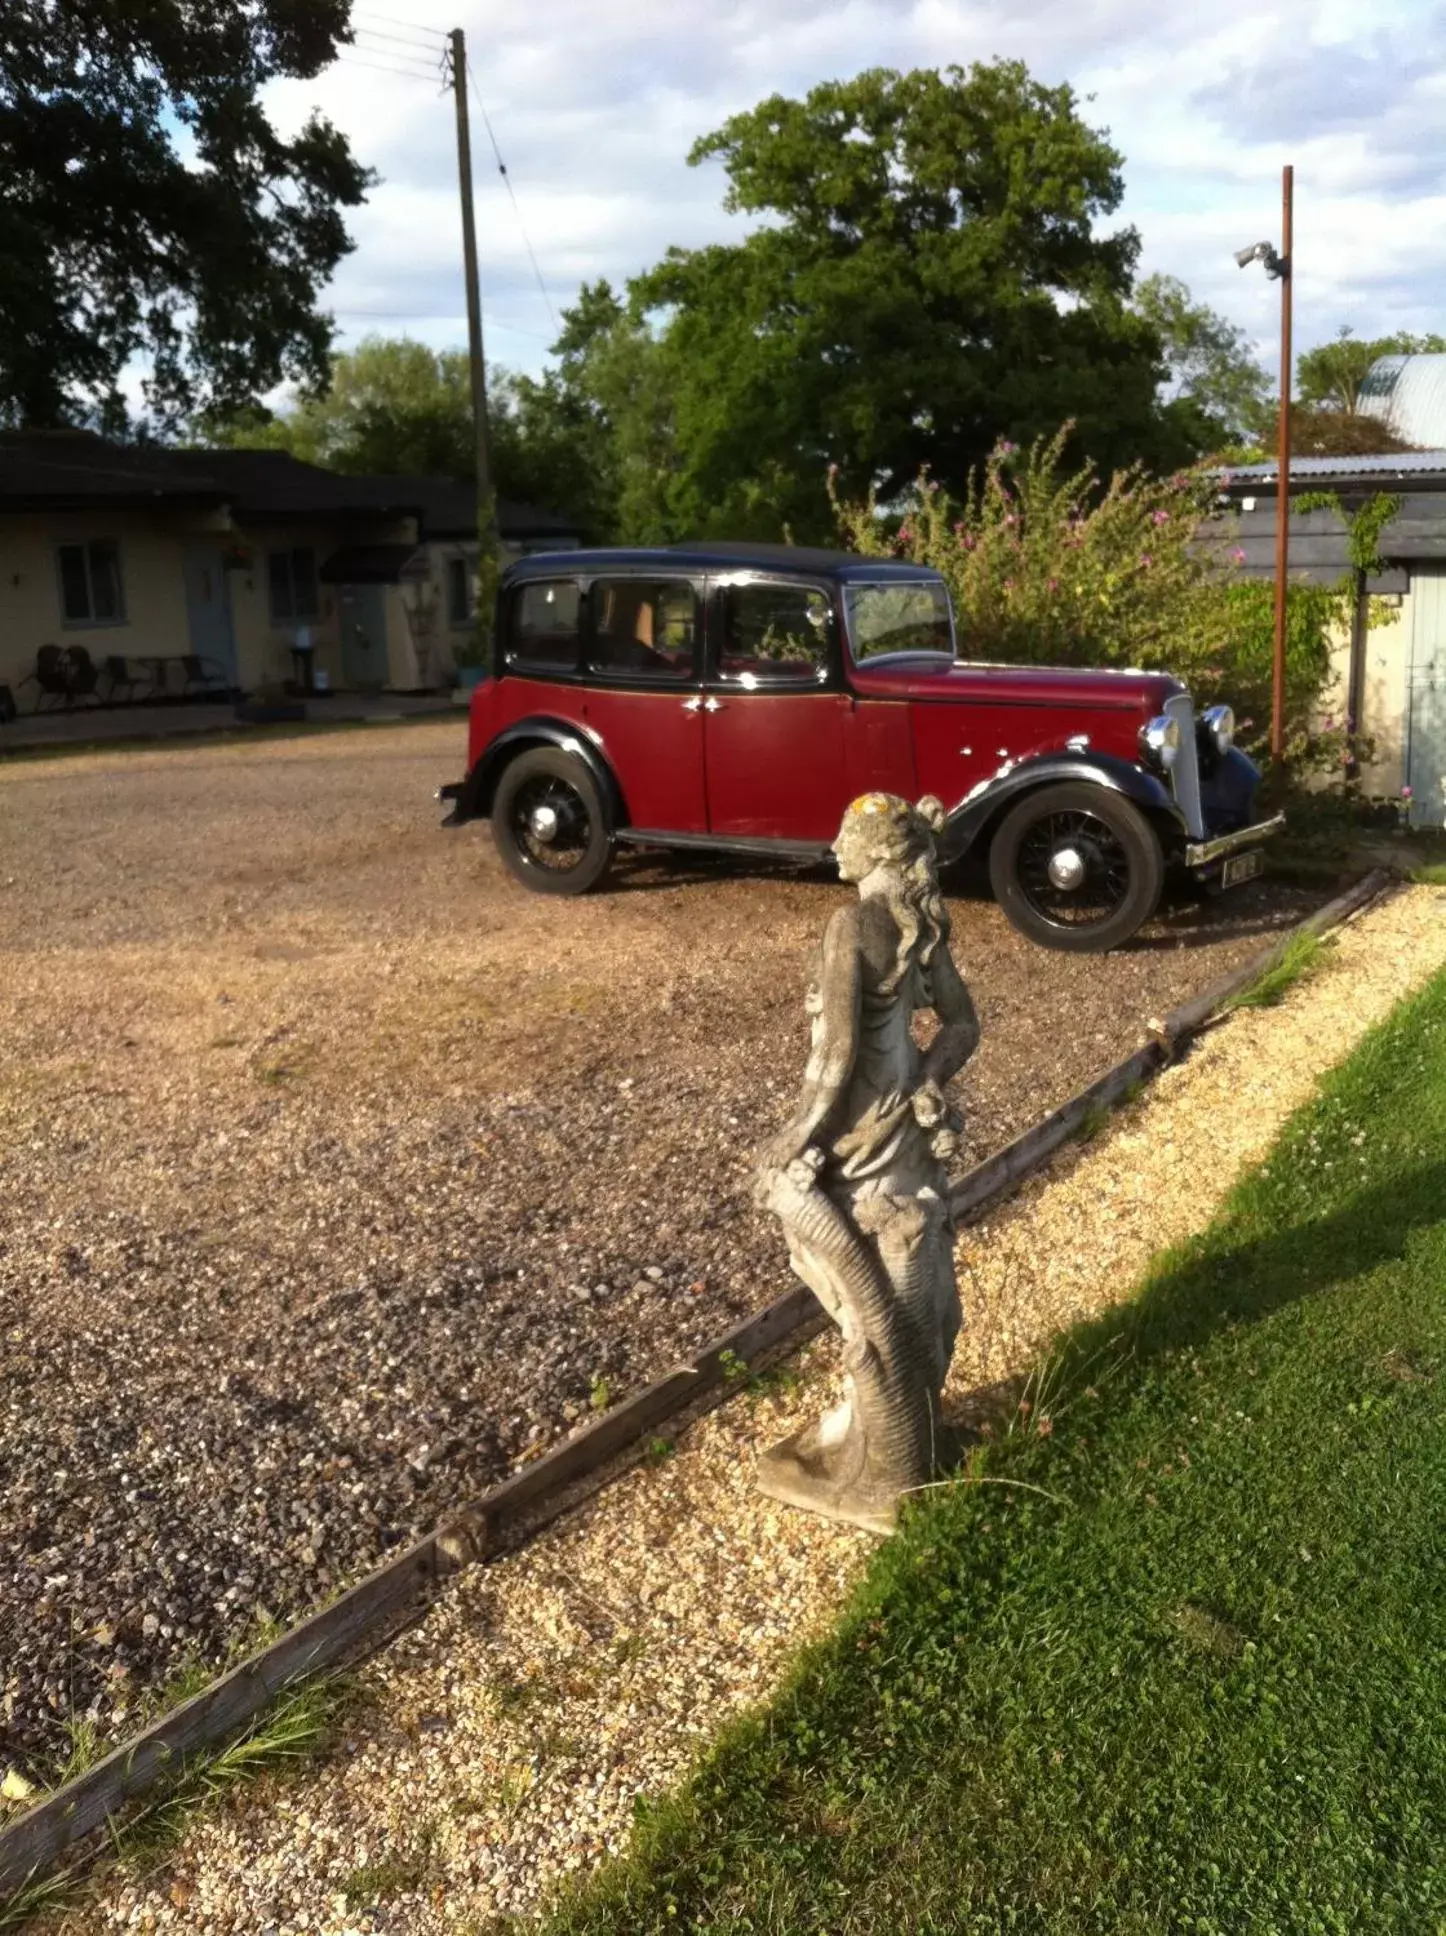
{"x":550,"y":824}
{"x":1077,"y":867}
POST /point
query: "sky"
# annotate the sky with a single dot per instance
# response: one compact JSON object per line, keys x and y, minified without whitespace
{"x":596,"y":103}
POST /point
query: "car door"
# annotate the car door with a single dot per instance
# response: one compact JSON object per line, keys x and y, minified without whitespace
{"x":643,"y":672}
{"x":775,"y":710}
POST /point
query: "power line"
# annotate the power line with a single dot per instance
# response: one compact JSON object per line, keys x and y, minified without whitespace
{"x":386,"y":58}
{"x":391,"y":20}
{"x":437,"y":47}
{"x":378,"y":67}
{"x":502,"y":170}
{"x":377,"y":44}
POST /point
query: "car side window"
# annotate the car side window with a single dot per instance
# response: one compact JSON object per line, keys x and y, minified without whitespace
{"x":775,"y":635}
{"x":544,"y":628}
{"x":643,"y":628}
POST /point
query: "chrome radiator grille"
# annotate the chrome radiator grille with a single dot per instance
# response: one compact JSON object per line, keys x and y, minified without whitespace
{"x":1185,"y":773}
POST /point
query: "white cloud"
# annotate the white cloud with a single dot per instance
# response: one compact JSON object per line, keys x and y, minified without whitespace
{"x":595,"y":104}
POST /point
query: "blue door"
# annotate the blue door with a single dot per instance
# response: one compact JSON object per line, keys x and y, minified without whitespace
{"x":363,"y":636}
{"x":208,"y":613}
{"x":1426,"y":742}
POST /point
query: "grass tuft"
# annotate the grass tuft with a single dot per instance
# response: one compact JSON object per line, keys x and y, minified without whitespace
{"x":1303,"y":956}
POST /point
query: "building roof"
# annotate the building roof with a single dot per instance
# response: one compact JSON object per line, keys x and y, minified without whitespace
{"x":1408,"y":394}
{"x":1422,"y":467}
{"x":75,"y":469}
{"x":741,"y":556}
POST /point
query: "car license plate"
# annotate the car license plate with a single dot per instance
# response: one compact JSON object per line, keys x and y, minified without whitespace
{"x":1242,"y":867}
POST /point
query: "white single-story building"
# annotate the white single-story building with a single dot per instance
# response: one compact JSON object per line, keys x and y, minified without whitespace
{"x":234,"y":569}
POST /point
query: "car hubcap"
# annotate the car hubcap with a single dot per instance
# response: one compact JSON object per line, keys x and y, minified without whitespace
{"x":1073,"y":870}
{"x":550,"y":824}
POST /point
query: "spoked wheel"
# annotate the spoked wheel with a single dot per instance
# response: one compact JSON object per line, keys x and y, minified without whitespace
{"x":1077,"y":867}
{"x":549,"y":823}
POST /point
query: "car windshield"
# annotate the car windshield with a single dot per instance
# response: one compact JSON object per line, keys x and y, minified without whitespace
{"x":899,"y":618}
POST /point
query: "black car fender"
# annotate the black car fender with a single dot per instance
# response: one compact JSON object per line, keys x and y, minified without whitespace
{"x":475,"y":795}
{"x":979,"y":810}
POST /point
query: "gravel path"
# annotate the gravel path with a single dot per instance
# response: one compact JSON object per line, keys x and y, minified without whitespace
{"x":338,"y":1173}
{"x":503,"y":1742}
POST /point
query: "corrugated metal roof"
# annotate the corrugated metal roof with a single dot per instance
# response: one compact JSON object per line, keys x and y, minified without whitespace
{"x":1404,"y":463}
{"x":1408,"y":393}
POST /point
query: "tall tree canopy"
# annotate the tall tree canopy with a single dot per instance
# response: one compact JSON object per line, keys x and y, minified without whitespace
{"x":1216,"y":389}
{"x":148,"y":207}
{"x":1330,"y":376}
{"x":929,"y":273}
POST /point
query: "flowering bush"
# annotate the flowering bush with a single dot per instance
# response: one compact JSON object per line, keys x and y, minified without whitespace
{"x":1051,"y":569}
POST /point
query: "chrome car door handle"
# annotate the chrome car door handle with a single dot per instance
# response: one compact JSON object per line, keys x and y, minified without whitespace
{"x":700,"y":705}
{"x":694,"y":705}
{"x":711,"y":705}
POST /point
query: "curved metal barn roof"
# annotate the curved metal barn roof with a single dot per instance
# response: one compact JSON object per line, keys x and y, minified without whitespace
{"x":1408,"y":394}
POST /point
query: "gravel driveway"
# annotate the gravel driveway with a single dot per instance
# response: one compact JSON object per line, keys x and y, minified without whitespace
{"x":337,"y":1172}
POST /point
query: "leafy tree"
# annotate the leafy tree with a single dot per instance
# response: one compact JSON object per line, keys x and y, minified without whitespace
{"x":930,"y":273}
{"x":1215,"y":386}
{"x":397,"y":406}
{"x":149,"y":208}
{"x":1330,"y":376}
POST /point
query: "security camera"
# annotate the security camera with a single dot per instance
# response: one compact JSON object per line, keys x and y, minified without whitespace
{"x":1257,"y":252}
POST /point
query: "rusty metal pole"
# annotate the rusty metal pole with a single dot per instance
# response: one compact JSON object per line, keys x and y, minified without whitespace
{"x":1282,"y":499}
{"x":486,"y":495}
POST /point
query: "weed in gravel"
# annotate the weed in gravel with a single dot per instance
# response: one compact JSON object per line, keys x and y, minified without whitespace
{"x":1302,"y":956}
{"x":1094,"y":1122}
{"x":733,"y":1368}
{"x":660,"y":1451}
{"x":394,"y":1875}
{"x":600,"y":1393}
{"x":1434,"y":876}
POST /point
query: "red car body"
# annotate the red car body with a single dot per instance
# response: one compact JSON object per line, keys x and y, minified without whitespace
{"x":737,"y":704}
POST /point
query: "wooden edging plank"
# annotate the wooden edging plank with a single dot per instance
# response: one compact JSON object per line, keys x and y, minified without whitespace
{"x":404,"y":1583}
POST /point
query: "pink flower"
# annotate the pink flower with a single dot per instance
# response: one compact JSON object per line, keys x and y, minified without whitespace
{"x":1146,"y":560}
{"x":1238,"y":555}
{"x":1406,"y":793}
{"x":1005,"y":448}
{"x":1054,"y":584}
{"x":1159,"y":517}
{"x":1009,"y":584}
{"x":906,"y":536}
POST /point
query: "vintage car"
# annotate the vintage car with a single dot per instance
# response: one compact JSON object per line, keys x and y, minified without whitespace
{"x":738,"y":697}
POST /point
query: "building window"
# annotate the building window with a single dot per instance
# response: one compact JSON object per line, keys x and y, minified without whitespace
{"x":293,"y":585}
{"x":460,"y":602}
{"x":90,"y":583}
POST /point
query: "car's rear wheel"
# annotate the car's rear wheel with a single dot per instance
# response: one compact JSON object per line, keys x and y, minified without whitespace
{"x":1077,"y":867}
{"x":550,"y":823}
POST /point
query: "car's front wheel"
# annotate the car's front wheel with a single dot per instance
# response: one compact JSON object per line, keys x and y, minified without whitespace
{"x":1077,"y":867}
{"x":550,"y":824}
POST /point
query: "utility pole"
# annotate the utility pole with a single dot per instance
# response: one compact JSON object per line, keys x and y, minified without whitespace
{"x":486,"y":500}
{"x":1282,"y":500}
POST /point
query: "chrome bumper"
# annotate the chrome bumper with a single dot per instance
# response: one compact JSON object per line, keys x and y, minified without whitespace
{"x":1200,"y":853}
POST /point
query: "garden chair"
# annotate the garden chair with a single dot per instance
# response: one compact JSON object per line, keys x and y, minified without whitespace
{"x":48,"y":676}
{"x":82,"y":675}
{"x":119,"y":672}
{"x":200,"y":672}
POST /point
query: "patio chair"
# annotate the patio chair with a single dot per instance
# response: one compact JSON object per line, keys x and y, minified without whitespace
{"x":201,"y":672}
{"x":119,"y":672}
{"x":82,"y":675}
{"x":48,"y":676}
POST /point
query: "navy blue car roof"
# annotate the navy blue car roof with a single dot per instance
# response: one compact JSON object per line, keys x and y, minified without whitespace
{"x":762,"y":557}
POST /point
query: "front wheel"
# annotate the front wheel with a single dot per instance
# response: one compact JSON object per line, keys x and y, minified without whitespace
{"x":550,"y":824}
{"x":1077,"y":867}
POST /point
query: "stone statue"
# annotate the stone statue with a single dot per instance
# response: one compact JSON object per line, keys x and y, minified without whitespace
{"x":858,"y":1177}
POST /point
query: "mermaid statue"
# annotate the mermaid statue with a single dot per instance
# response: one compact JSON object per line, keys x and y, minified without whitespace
{"x":858,"y":1179}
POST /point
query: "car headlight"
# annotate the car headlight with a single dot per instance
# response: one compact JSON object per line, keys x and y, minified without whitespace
{"x":1161,"y":739}
{"x":1219,"y":723}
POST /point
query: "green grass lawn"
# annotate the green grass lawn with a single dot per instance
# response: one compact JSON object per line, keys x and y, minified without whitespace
{"x":1180,"y":1664}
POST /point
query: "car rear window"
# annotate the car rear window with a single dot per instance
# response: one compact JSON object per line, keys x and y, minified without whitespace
{"x":642,"y":628}
{"x":545,"y":627}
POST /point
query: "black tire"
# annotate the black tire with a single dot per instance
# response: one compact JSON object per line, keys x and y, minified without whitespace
{"x":1123,"y":868}
{"x":577,"y":855}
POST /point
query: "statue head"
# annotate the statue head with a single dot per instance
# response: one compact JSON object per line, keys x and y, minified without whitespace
{"x":881,"y":830}
{"x":884,"y":835}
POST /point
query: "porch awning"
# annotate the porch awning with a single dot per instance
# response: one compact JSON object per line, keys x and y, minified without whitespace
{"x":378,"y":564}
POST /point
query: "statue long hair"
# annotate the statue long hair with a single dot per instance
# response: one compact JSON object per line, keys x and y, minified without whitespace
{"x":885,"y":830}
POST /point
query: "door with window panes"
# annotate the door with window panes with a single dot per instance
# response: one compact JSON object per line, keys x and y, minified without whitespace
{"x":775,"y":713}
{"x":641,"y":648}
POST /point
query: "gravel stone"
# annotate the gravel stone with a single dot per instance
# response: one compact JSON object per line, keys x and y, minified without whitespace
{"x":339,"y":1172}
{"x":592,"y":1667}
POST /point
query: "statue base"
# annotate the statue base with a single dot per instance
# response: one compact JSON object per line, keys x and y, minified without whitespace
{"x":823,"y":1475}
